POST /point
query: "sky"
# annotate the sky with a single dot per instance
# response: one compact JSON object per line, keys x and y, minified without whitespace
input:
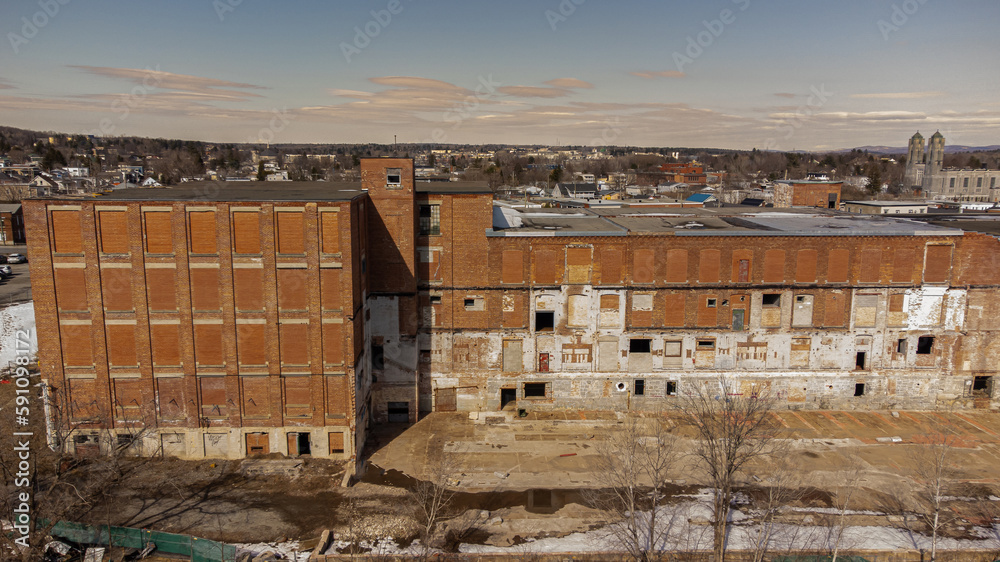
{"x":741,"y":74}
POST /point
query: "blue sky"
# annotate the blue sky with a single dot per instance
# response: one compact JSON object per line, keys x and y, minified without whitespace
{"x":776,"y":74}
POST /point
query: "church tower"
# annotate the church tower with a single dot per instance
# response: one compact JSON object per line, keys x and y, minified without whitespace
{"x":935,"y":160}
{"x":915,"y":161}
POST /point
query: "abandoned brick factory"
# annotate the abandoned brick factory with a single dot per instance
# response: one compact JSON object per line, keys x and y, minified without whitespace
{"x":240,"y":319}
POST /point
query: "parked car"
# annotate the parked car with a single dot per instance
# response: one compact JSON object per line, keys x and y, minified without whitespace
{"x":3,"y":258}
{"x":16,"y":258}
{"x":5,"y":271}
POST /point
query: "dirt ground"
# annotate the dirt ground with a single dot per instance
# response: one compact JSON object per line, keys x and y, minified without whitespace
{"x":525,"y":477}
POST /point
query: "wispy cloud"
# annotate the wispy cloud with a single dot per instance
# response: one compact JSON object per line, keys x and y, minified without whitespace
{"x":899,"y":95}
{"x":785,"y":95}
{"x":5,"y":85}
{"x":533,"y":92}
{"x":571,"y":83}
{"x":659,"y":74}
{"x":205,"y":88}
{"x":415,"y":83}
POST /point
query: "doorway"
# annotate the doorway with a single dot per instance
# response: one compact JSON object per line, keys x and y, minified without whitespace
{"x":298,"y":444}
{"x":859,"y":362}
{"x":399,"y":412}
{"x":257,"y":444}
{"x":507,"y":396}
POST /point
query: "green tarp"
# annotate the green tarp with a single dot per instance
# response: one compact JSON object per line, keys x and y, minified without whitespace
{"x":200,"y":550}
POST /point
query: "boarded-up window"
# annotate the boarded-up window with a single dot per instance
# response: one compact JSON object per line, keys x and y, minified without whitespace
{"x":333,"y":344}
{"x":802,"y":311}
{"x":336,"y":443}
{"x":644,"y":265}
{"x":708,"y":266}
{"x":165,"y":341}
{"x":799,"y":356}
{"x":208,"y":344}
{"x":83,"y":399}
{"x":608,"y":315}
{"x":128,"y":397}
{"x":170,"y":397}
{"x":251,"y":348}
{"x":298,"y":396}
{"x":578,"y":310}
{"x":837,"y":266}
{"x":611,"y":266}
{"x":674,"y":310}
{"x":937,"y":264}
{"x":246,"y":232}
{"x":871,"y":263}
{"x":114,"y":232}
{"x":834,"y":308}
{"x":896,"y":302}
{"x":294,"y":341}
{"x":293,"y":289}
{"x":805,"y":266}
{"x":512,"y":356}
{"x":708,"y":313}
{"x":205,"y":289}
{"x":512,"y":303}
{"x":76,"y":345}
{"x":677,"y":266}
{"x":159,"y":232}
{"x":336,"y":395}
{"x":774,"y":266}
{"x":214,"y":402}
{"x":121,"y":345}
{"x":291,"y":236}
{"x":513,"y":266}
{"x":256,"y":396}
{"x":865,"y":309}
{"x":116,"y":288}
{"x":66,"y":232}
{"x":71,"y":289}
{"x":902,"y":265}
{"x":545,"y":267}
{"x":161,"y":290}
{"x":330,"y":224}
{"x":201,"y":229}
{"x":330,"y":288}
{"x":578,"y":265}
{"x":673,"y":354}
{"x":248,"y":284}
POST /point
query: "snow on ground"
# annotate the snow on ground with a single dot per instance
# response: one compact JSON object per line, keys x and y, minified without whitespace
{"x":287,"y":550}
{"x":20,"y":317}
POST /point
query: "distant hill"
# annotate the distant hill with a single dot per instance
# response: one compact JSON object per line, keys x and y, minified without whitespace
{"x":948,"y":149}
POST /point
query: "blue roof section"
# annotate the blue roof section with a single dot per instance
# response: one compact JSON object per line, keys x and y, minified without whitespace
{"x":701,"y":198}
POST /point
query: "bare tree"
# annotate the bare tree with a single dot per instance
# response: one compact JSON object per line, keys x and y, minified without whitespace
{"x":934,"y":469}
{"x":634,"y":462}
{"x":779,"y":487}
{"x":853,"y":473}
{"x":734,"y":427}
{"x":432,"y":495}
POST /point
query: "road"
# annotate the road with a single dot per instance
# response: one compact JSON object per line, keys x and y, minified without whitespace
{"x":15,"y":289}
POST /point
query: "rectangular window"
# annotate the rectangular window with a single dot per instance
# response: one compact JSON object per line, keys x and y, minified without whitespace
{"x":951,"y":183}
{"x":965,"y":182}
{"x":639,"y":387}
{"x":671,"y":388}
{"x":859,"y":389}
{"x":901,"y":346}
{"x":924,"y":345}
{"x":545,"y":321}
{"x":979,"y":182}
{"x":473,"y":303}
{"x":535,"y":389}
{"x":706,"y":345}
{"x":430,"y":220}
{"x":393,"y":177}
{"x":291,"y":232}
{"x":639,"y":345}
{"x":710,"y":303}
{"x":771,"y":300}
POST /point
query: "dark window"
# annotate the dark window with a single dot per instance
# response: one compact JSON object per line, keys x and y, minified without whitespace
{"x":378,"y":357}
{"x":965,"y":182}
{"x":951,"y":183}
{"x":901,"y":345}
{"x":469,"y":303}
{"x":982,"y":385}
{"x":545,"y":321}
{"x":924,"y":345}
{"x":706,"y":345}
{"x":710,"y":303}
{"x":859,"y":362}
{"x":639,"y":346}
{"x":430,"y":220}
{"x":640,"y":387}
{"x":772,"y":299}
{"x":859,"y":389}
{"x":671,"y":388}
{"x":534,"y":389}
{"x":435,"y":299}
{"x":393,"y":176}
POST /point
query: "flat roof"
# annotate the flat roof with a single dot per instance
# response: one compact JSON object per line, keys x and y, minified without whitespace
{"x":888,"y":203}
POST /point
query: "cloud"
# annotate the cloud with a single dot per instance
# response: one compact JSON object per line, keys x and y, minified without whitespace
{"x":571,"y":83}
{"x":533,"y":92}
{"x":415,"y":83}
{"x":5,"y":85}
{"x":785,"y":95}
{"x":349,"y":93}
{"x":659,"y":74}
{"x":900,"y":95}
{"x":212,"y":88}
